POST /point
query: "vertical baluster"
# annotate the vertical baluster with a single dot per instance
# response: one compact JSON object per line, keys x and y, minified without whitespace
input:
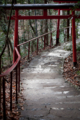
{"x":74,"y":40}
{"x":4,"y":101}
{"x":0,"y":84}
{"x":19,"y":49}
{"x":16,"y":87}
{"x":11,"y":91}
{"x":29,"y":50}
{"x":19,"y":76}
{"x":44,"y":42}
{"x":51,"y":40}
{"x":19,"y":72}
{"x":58,"y":24}
{"x":37,"y":45}
{"x":15,"y":35}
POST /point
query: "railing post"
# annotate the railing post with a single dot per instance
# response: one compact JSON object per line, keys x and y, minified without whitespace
{"x":68,"y":27}
{"x":37,"y":45}
{"x":19,"y":76}
{"x":57,"y":35}
{"x":46,"y":26}
{"x":0,"y":85}
{"x":29,"y":50}
{"x":44,"y":42}
{"x":15,"y":35}
{"x":4,"y":101}
{"x":19,"y":72}
{"x":16,"y":87}
{"x":74,"y":40}
{"x":51,"y":40}
{"x":11,"y":91}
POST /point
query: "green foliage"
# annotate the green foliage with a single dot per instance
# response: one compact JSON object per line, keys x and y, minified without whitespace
{"x":78,"y":72}
{"x":2,"y":39}
{"x":61,"y":37}
{"x":68,"y":46}
{"x":78,"y":47}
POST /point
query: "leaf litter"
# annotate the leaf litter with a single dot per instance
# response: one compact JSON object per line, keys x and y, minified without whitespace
{"x":72,"y":74}
{"x":15,"y":114}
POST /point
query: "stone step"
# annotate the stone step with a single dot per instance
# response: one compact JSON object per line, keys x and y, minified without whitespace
{"x":47,"y":95}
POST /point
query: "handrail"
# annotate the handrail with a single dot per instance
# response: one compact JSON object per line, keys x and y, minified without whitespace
{"x":15,"y":66}
{"x":40,"y":36}
{"x":9,"y":70}
{"x":35,"y":38}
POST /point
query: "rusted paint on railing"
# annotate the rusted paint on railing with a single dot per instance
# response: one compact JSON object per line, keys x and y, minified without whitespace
{"x":8,"y":71}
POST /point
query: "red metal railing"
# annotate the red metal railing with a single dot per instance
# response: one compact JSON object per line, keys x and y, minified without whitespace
{"x":16,"y":67}
{"x":50,"y":41}
{"x":42,"y":39}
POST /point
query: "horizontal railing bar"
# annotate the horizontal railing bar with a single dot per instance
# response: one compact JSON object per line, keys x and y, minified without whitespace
{"x":41,"y":36}
{"x":36,"y":38}
{"x":9,"y":70}
{"x":45,"y":17}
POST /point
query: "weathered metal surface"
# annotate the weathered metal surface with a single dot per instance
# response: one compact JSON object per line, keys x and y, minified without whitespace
{"x":15,"y":36}
{"x":58,"y":25}
{"x":9,"y":70}
{"x":4,"y":100}
{"x":74,"y":40}
{"x":40,"y":6}
{"x":11,"y":91}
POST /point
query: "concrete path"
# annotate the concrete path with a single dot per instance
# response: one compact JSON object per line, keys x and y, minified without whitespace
{"x":47,"y":95}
